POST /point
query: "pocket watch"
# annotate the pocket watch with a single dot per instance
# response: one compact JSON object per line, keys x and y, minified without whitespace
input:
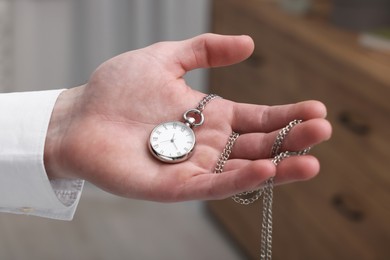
{"x":174,"y":141}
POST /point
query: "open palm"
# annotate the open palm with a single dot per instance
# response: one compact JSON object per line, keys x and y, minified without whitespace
{"x":103,"y":135}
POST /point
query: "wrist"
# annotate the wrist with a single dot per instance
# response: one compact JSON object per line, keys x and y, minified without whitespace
{"x":60,"y":121}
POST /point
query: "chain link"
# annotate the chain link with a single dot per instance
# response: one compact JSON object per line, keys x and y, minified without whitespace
{"x":195,"y":117}
{"x":226,"y":153}
{"x":249,"y":197}
{"x":281,"y":135}
{"x":205,"y":101}
{"x":266,"y":225}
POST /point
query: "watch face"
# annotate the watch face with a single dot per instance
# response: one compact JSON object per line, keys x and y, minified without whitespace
{"x":172,"y":142}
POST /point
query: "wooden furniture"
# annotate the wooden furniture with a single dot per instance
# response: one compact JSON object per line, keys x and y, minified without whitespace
{"x":344,"y":213}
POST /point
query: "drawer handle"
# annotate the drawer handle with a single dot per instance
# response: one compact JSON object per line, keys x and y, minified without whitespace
{"x":355,"y":123}
{"x":345,"y":206}
{"x":256,"y":60}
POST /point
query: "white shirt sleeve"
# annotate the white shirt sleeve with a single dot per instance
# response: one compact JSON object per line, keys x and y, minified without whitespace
{"x":24,"y":185}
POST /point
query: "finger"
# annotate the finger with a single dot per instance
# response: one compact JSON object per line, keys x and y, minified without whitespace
{"x":212,"y":50}
{"x":255,"y":118}
{"x":258,"y":145}
{"x":246,"y":176}
{"x":295,"y":168}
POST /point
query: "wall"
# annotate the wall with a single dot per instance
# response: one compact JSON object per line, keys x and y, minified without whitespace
{"x":5,"y":45}
{"x":58,"y":43}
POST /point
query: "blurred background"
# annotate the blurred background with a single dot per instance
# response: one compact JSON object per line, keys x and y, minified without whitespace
{"x":57,"y":43}
{"x":335,"y":51}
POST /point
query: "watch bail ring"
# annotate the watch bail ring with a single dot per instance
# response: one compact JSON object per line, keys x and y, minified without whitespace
{"x":192,"y":120}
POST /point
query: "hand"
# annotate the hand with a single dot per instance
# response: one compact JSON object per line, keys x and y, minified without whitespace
{"x":99,"y":131}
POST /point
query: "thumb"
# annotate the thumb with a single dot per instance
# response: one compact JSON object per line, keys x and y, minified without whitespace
{"x":212,"y":50}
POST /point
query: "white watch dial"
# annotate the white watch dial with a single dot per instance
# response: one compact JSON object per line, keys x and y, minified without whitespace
{"x":172,"y":141}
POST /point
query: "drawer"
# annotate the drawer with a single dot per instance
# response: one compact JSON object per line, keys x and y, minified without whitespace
{"x":351,"y":195}
{"x":360,"y":127}
{"x":310,"y":222}
{"x":311,"y":219}
{"x":328,"y":217}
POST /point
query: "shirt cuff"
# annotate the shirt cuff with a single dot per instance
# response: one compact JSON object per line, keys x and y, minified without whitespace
{"x":24,"y":185}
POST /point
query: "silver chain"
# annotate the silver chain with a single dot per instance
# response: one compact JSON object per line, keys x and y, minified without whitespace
{"x":280,"y":137}
{"x":191,"y":115}
{"x":226,"y":153}
{"x":249,"y":197}
{"x":205,"y":101}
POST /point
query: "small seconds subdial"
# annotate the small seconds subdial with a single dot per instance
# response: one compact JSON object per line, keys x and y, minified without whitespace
{"x":172,"y":141}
